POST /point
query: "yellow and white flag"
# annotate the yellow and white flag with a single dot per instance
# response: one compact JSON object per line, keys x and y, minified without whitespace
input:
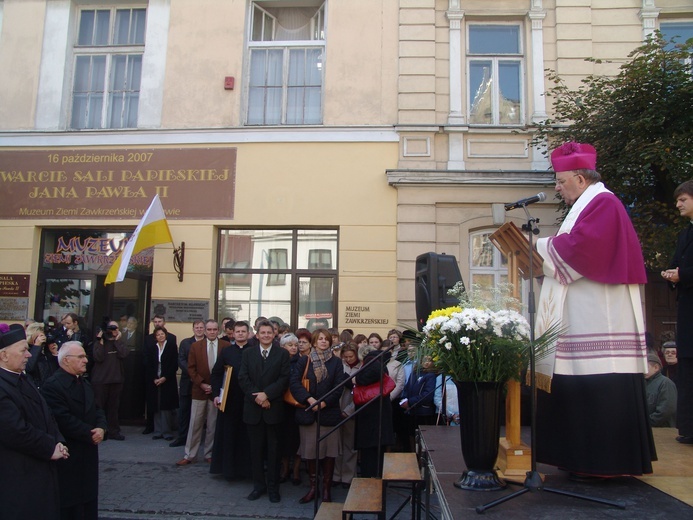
{"x":152,"y":230}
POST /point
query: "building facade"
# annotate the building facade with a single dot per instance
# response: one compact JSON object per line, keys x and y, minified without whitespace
{"x":305,"y":151}
{"x":472,"y":76}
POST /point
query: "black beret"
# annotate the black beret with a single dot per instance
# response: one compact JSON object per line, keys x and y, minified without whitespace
{"x":15,"y":334}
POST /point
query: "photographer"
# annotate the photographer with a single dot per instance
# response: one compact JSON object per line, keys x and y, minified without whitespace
{"x":44,"y":353}
{"x":107,"y":375}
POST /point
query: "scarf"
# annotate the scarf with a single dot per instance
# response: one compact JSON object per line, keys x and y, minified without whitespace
{"x":319,"y":358}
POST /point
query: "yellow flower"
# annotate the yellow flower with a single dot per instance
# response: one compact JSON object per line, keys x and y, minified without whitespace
{"x":447,"y":312}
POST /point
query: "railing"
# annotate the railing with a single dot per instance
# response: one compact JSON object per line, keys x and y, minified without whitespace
{"x":339,"y":387}
{"x":348,"y":382}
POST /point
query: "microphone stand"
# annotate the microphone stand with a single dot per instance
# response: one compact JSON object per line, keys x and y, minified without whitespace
{"x":533,"y":481}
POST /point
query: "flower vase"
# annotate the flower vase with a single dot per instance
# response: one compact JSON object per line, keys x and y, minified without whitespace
{"x":479,"y":404}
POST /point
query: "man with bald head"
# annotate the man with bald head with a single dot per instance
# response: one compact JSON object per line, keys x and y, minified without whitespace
{"x":83,"y":424}
{"x":29,"y":438}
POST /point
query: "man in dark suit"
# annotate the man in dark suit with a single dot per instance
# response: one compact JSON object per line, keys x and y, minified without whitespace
{"x":264,"y":377}
{"x":680,"y":276}
{"x":185,"y":385}
{"x":149,"y":343}
{"x":29,"y":438}
{"x":83,"y":424}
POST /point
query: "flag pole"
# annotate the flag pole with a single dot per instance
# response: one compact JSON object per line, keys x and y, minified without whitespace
{"x":152,"y":230}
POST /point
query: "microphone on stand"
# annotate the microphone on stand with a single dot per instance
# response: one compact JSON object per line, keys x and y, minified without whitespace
{"x":539,"y":197}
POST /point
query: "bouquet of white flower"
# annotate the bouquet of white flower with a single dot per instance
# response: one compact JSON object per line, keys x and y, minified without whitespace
{"x":477,"y":344}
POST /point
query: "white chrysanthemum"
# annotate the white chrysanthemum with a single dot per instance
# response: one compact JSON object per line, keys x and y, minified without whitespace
{"x":452,"y":325}
{"x":434,"y":324}
{"x":464,"y":340}
{"x":448,"y":345}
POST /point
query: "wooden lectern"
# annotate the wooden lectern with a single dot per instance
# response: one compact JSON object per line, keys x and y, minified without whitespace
{"x":514,"y":457}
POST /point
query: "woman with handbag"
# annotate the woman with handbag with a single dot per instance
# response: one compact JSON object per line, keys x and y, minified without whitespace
{"x":325,"y":371}
{"x":374,"y":418}
{"x":396,"y":370}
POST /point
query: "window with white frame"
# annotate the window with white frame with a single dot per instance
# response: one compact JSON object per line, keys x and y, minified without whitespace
{"x":495,"y":72}
{"x":286,"y":49}
{"x":487,"y":266}
{"x":108,"y":68}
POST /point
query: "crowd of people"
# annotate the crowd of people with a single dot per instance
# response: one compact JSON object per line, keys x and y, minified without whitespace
{"x":257,"y":393}
{"x":242,"y":398}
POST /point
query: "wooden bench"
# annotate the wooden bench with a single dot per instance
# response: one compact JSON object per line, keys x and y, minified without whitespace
{"x":365,"y":496}
{"x":404,"y":467}
{"x":329,"y":511}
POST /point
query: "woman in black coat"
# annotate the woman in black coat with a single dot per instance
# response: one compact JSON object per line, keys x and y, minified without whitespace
{"x":160,"y":367}
{"x":325,"y":371}
{"x":373,"y":418}
{"x":290,"y":441}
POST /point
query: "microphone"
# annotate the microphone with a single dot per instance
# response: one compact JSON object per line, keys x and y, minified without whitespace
{"x":539,"y":197}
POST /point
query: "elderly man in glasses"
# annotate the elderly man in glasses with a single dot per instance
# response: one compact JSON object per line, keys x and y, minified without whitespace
{"x":83,"y":424}
{"x":29,"y":438}
{"x":593,"y":270}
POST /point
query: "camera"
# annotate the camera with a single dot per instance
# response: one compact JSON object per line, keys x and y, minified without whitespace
{"x":106,"y":326}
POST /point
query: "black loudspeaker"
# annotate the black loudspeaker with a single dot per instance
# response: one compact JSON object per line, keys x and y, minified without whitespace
{"x":435,"y":275}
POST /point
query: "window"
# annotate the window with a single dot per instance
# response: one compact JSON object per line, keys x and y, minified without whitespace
{"x":278,"y":259}
{"x":286,"y":50}
{"x":319,"y":259}
{"x":494,"y":63}
{"x":108,"y":68}
{"x":487,"y":266}
{"x":677,"y":33}
{"x":285,"y":273}
{"x":680,"y":31}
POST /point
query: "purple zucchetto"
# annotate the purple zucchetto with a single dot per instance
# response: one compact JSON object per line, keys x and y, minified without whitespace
{"x":574,"y":156}
{"x":14,"y":335}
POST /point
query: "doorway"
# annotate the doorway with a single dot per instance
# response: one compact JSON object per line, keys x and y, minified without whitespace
{"x":71,"y":279}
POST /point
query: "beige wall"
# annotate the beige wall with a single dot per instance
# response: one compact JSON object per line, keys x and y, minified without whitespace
{"x":22,"y":28}
{"x":439,"y":217}
{"x":199,"y":56}
{"x":360,"y":64}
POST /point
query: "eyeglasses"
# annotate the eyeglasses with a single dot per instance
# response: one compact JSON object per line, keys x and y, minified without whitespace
{"x":80,"y":356}
{"x":561,"y":182}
